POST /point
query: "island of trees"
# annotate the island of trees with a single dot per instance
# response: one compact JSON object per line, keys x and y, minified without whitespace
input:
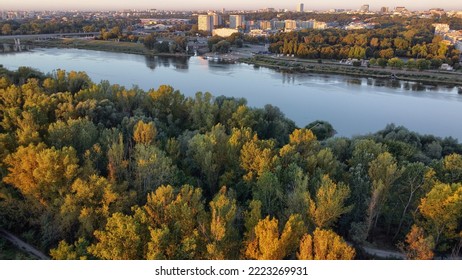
{"x":100,"y":171}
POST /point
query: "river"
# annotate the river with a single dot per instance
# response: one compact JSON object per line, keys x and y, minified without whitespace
{"x":352,"y":105}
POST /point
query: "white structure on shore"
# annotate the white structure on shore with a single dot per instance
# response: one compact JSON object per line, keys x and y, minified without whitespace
{"x":224,"y":32}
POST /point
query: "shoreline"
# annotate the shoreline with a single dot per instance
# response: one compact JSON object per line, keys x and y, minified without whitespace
{"x":304,"y":66}
{"x":291,"y":65}
{"x":98,"y":45}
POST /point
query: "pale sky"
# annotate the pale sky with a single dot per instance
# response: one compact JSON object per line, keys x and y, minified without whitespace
{"x":218,"y":4}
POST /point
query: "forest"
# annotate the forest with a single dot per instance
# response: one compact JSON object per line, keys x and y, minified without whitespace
{"x":99,"y":171}
{"x":418,"y":42}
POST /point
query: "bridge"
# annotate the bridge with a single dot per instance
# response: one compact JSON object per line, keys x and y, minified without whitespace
{"x":49,"y":36}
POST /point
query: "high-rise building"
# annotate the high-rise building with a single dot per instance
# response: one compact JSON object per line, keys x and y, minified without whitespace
{"x":205,"y":23}
{"x":384,"y":10}
{"x":299,"y":8}
{"x":236,"y":21}
{"x":217,"y":19}
{"x":265,"y":24}
{"x":364,"y":8}
{"x":278,"y":24}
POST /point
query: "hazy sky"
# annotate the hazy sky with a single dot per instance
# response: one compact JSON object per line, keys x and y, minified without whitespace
{"x":218,"y":4}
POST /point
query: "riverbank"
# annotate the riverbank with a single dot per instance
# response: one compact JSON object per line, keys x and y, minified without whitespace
{"x":305,"y":66}
{"x":96,"y":45}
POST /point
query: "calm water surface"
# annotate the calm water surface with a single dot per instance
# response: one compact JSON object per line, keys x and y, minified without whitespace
{"x":352,"y":105}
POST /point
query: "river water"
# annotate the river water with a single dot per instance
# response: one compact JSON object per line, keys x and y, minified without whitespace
{"x":352,"y":105}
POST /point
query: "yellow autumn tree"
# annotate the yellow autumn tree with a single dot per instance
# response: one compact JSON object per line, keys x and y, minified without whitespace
{"x":257,"y":156}
{"x":223,"y":233}
{"x":43,"y":174}
{"x":269,"y":244}
{"x":418,"y":246}
{"x":329,"y":203}
{"x":324,"y":245}
{"x":304,"y":141}
{"x":145,"y":133}
{"x":442,"y":210}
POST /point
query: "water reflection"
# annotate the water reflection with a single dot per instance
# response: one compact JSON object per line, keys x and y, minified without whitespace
{"x":353,"y":105}
{"x":354,"y":81}
{"x":179,"y":63}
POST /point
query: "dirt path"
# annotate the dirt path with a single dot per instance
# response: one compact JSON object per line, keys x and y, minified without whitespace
{"x":22,"y":245}
{"x":383,"y":253}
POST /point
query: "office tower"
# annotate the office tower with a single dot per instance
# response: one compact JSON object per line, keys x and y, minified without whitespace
{"x":300,"y":8}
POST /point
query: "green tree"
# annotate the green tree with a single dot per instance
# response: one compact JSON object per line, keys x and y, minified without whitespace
{"x":209,"y":153}
{"x":422,"y":64}
{"x":268,"y":190}
{"x":81,"y":134}
{"x":177,"y":223}
{"x":120,"y":240}
{"x":222,"y":46}
{"x":383,"y":172}
{"x":76,"y":251}
{"x":87,"y":206}
{"x":395,"y":63}
{"x":152,"y":168}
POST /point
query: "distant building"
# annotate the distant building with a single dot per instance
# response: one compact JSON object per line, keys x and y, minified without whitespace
{"x":364,"y":8}
{"x":438,"y":12}
{"x":299,"y":8}
{"x":290,"y":25}
{"x":258,"y":33}
{"x":205,"y":23}
{"x":224,"y":32}
{"x":217,"y":19}
{"x":441,"y":28}
{"x":400,"y":9}
{"x":236,"y":21}
{"x":265,"y":24}
{"x":311,"y":24}
{"x":278,"y":24}
{"x":319,"y":25}
{"x":384,"y":10}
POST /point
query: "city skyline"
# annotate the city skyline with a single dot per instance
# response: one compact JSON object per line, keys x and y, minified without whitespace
{"x":218,"y":5}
